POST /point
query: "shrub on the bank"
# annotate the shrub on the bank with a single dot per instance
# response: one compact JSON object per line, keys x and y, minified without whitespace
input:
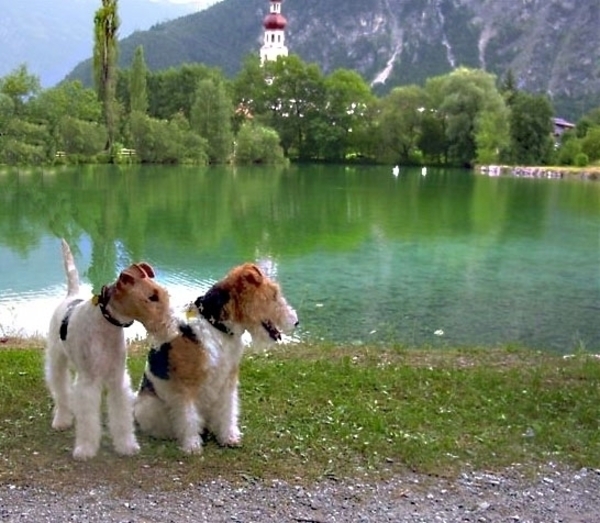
{"x":582,"y":160}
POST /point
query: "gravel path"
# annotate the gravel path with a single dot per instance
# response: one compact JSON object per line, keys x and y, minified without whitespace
{"x":553,"y":495}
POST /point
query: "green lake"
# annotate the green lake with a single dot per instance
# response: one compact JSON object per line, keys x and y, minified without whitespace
{"x":448,"y":259}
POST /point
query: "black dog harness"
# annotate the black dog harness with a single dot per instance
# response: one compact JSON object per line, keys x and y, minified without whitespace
{"x":64,"y":324}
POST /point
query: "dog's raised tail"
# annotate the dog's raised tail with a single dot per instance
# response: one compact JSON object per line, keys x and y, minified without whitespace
{"x":70,"y":269}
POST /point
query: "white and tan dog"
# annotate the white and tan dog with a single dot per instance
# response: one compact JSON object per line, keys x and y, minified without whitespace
{"x":191,"y":382}
{"x":86,"y":336}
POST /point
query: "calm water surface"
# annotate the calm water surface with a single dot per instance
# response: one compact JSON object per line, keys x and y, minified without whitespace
{"x":444,"y":260}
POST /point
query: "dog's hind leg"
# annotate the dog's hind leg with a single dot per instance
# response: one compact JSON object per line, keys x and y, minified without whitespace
{"x":120,"y":416}
{"x":58,"y":379}
{"x":152,"y":416}
{"x":86,"y":399}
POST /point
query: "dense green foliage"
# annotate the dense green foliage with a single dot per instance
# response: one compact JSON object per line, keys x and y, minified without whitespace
{"x":211,"y":117}
{"x":583,"y":140}
{"x":256,"y":143}
{"x":193,"y":114}
{"x":531,"y":129}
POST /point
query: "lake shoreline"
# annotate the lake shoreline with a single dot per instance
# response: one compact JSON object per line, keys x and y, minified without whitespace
{"x":523,"y":171}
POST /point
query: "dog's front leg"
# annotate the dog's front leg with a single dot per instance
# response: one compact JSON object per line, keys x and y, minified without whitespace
{"x":227,"y":430}
{"x":86,"y":399}
{"x":187,"y":423}
{"x":120,"y":416}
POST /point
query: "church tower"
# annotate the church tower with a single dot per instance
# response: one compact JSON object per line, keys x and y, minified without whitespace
{"x":274,"y":40}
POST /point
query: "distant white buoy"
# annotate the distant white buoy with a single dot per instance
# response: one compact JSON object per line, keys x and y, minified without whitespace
{"x":423,"y":171}
{"x":396,"y":170}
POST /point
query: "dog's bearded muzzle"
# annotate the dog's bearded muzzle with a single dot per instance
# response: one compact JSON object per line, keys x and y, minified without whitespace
{"x":273,"y":330}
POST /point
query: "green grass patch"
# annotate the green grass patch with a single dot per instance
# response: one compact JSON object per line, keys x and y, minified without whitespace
{"x":314,"y":411}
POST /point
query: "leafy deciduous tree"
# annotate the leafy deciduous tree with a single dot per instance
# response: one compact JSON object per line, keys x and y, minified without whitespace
{"x":432,"y":141}
{"x":211,"y":119}
{"x":79,"y":137}
{"x":249,"y":91}
{"x":68,"y":100}
{"x":531,"y":141}
{"x":469,"y":103}
{"x":7,"y":110}
{"x":492,"y":132}
{"x":20,"y":86}
{"x":173,"y":90}
{"x":590,"y":144}
{"x":346,"y":115}
{"x":256,"y":143}
{"x":570,"y":147}
{"x":401,"y":115}
{"x":295,"y":95}
{"x":164,"y":141}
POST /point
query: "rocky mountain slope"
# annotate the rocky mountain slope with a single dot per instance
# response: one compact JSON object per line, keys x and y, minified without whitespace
{"x":551,"y":46}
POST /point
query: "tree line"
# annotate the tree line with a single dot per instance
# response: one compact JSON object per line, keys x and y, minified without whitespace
{"x":281,"y":110}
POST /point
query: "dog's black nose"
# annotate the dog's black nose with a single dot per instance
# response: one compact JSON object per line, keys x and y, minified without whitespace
{"x":297,"y":323}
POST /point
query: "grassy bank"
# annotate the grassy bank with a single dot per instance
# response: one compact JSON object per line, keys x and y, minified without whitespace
{"x":326,"y":411}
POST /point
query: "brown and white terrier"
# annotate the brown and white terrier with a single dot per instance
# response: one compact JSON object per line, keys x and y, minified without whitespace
{"x":86,"y":337}
{"x":191,"y":382}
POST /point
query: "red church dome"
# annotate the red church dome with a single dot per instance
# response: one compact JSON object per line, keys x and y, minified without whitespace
{"x":274,"y":21}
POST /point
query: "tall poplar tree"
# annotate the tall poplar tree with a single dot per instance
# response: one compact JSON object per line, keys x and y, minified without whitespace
{"x":138,"y":93}
{"x":531,"y":127}
{"x":106,"y":26}
{"x":211,"y":118}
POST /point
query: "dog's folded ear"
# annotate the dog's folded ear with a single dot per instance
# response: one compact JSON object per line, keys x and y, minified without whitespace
{"x":136,"y":271}
{"x":147,"y":268}
{"x":252,"y":274}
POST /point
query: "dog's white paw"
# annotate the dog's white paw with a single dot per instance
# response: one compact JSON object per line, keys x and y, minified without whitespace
{"x":62,"y":421}
{"x":127,"y":448}
{"x":192,"y":446}
{"x":84,"y":451}
{"x":233,"y":439}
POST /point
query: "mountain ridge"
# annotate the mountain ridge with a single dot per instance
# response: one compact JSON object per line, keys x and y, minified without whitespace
{"x":551,"y":46}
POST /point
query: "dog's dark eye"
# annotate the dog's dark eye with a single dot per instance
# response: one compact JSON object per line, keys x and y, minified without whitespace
{"x":154,"y":297}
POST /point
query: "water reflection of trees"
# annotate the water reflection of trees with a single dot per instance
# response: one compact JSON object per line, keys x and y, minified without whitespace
{"x":190,"y":212}
{"x":129,"y":207}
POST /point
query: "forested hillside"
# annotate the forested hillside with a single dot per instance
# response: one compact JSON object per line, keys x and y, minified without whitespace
{"x":551,"y":46}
